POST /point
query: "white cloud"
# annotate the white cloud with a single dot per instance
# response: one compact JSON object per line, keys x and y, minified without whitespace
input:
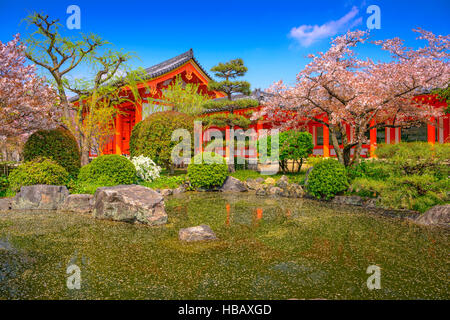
{"x":307,"y":34}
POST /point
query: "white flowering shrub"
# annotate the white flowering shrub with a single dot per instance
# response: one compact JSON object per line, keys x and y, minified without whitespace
{"x":146,"y":169}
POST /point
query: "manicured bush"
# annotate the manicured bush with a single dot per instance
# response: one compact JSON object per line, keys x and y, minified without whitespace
{"x":313,"y":160}
{"x":207,"y":171}
{"x":108,"y":170}
{"x":327,"y":179}
{"x":416,"y":157}
{"x":58,"y":144}
{"x":38,"y":171}
{"x":412,"y":192}
{"x":152,"y":137}
{"x":293,"y":145}
{"x":370,"y":169}
{"x":146,"y":169}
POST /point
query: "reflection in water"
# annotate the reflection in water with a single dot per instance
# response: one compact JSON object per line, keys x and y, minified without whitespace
{"x":259,"y":213}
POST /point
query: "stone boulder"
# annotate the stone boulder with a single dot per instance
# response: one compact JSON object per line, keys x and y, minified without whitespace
{"x":261,"y":191}
{"x":276,"y":191}
{"x":179,"y":190}
{"x":5,"y":204}
{"x":130,"y":203}
{"x":79,"y":203}
{"x":166,"y":192}
{"x":198,"y":233}
{"x":438,"y":215}
{"x":40,"y":197}
{"x":283,"y":182}
{"x":307,"y":175}
{"x":270,"y":181}
{"x":233,"y":185}
{"x":294,"y":190}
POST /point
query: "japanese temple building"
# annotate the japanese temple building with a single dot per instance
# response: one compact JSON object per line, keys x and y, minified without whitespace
{"x":185,"y":65}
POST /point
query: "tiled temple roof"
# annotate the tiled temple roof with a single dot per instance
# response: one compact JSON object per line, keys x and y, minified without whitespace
{"x":173,"y":63}
{"x":167,"y":66}
{"x":257,"y":94}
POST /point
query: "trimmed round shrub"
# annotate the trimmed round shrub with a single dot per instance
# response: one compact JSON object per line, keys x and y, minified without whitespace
{"x":58,"y":144}
{"x":207,"y":171}
{"x":327,"y":179}
{"x":108,"y":170}
{"x":38,"y":171}
{"x":152,"y":137}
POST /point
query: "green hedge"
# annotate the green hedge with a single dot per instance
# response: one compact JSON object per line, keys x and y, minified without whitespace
{"x":327,"y":179}
{"x":416,"y":157}
{"x":152,"y":137}
{"x":38,"y":171}
{"x":58,"y":144}
{"x":108,"y":170}
{"x":204,"y":173}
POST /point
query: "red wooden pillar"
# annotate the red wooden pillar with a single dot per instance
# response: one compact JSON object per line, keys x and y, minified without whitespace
{"x":326,"y":142}
{"x":431,"y":132}
{"x":118,"y":135}
{"x":373,"y":140}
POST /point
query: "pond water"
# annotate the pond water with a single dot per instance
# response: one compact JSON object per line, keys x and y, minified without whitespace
{"x":267,"y":249}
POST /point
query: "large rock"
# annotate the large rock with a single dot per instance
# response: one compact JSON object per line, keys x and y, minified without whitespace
{"x":307,"y":175}
{"x":179,"y":190}
{"x":270,"y":181}
{"x":438,"y":215}
{"x":166,"y":192}
{"x":294,"y":191}
{"x":233,"y":185}
{"x":198,"y":233}
{"x":283,"y":182}
{"x":40,"y":197}
{"x":79,"y":203}
{"x":5,"y":204}
{"x":130,"y":203}
{"x":275,"y":191}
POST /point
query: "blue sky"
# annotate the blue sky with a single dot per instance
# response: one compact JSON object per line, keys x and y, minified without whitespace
{"x":273,"y":37}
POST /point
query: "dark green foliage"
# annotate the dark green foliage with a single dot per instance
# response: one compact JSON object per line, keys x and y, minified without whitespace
{"x":38,"y":171}
{"x":58,"y":144}
{"x":222,"y":120}
{"x":4,"y":183}
{"x":327,"y":179}
{"x":416,"y":157}
{"x":370,"y":169}
{"x":293,"y":145}
{"x":413,"y":192}
{"x":108,"y":170}
{"x":207,"y":171}
{"x":240,"y":163}
{"x":235,"y":104}
{"x":152,"y":136}
{"x":229,"y":71}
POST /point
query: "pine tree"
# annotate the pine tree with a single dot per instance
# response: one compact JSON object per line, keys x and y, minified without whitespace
{"x":229,"y":71}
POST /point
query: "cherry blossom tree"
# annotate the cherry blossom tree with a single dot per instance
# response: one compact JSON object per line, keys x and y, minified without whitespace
{"x":338,"y":89}
{"x":27,"y":102}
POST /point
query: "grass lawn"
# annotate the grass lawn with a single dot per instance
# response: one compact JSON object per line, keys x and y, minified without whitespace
{"x":296,"y":249}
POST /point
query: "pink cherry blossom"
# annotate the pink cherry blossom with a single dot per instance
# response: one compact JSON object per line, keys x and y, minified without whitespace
{"x":27,"y":103}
